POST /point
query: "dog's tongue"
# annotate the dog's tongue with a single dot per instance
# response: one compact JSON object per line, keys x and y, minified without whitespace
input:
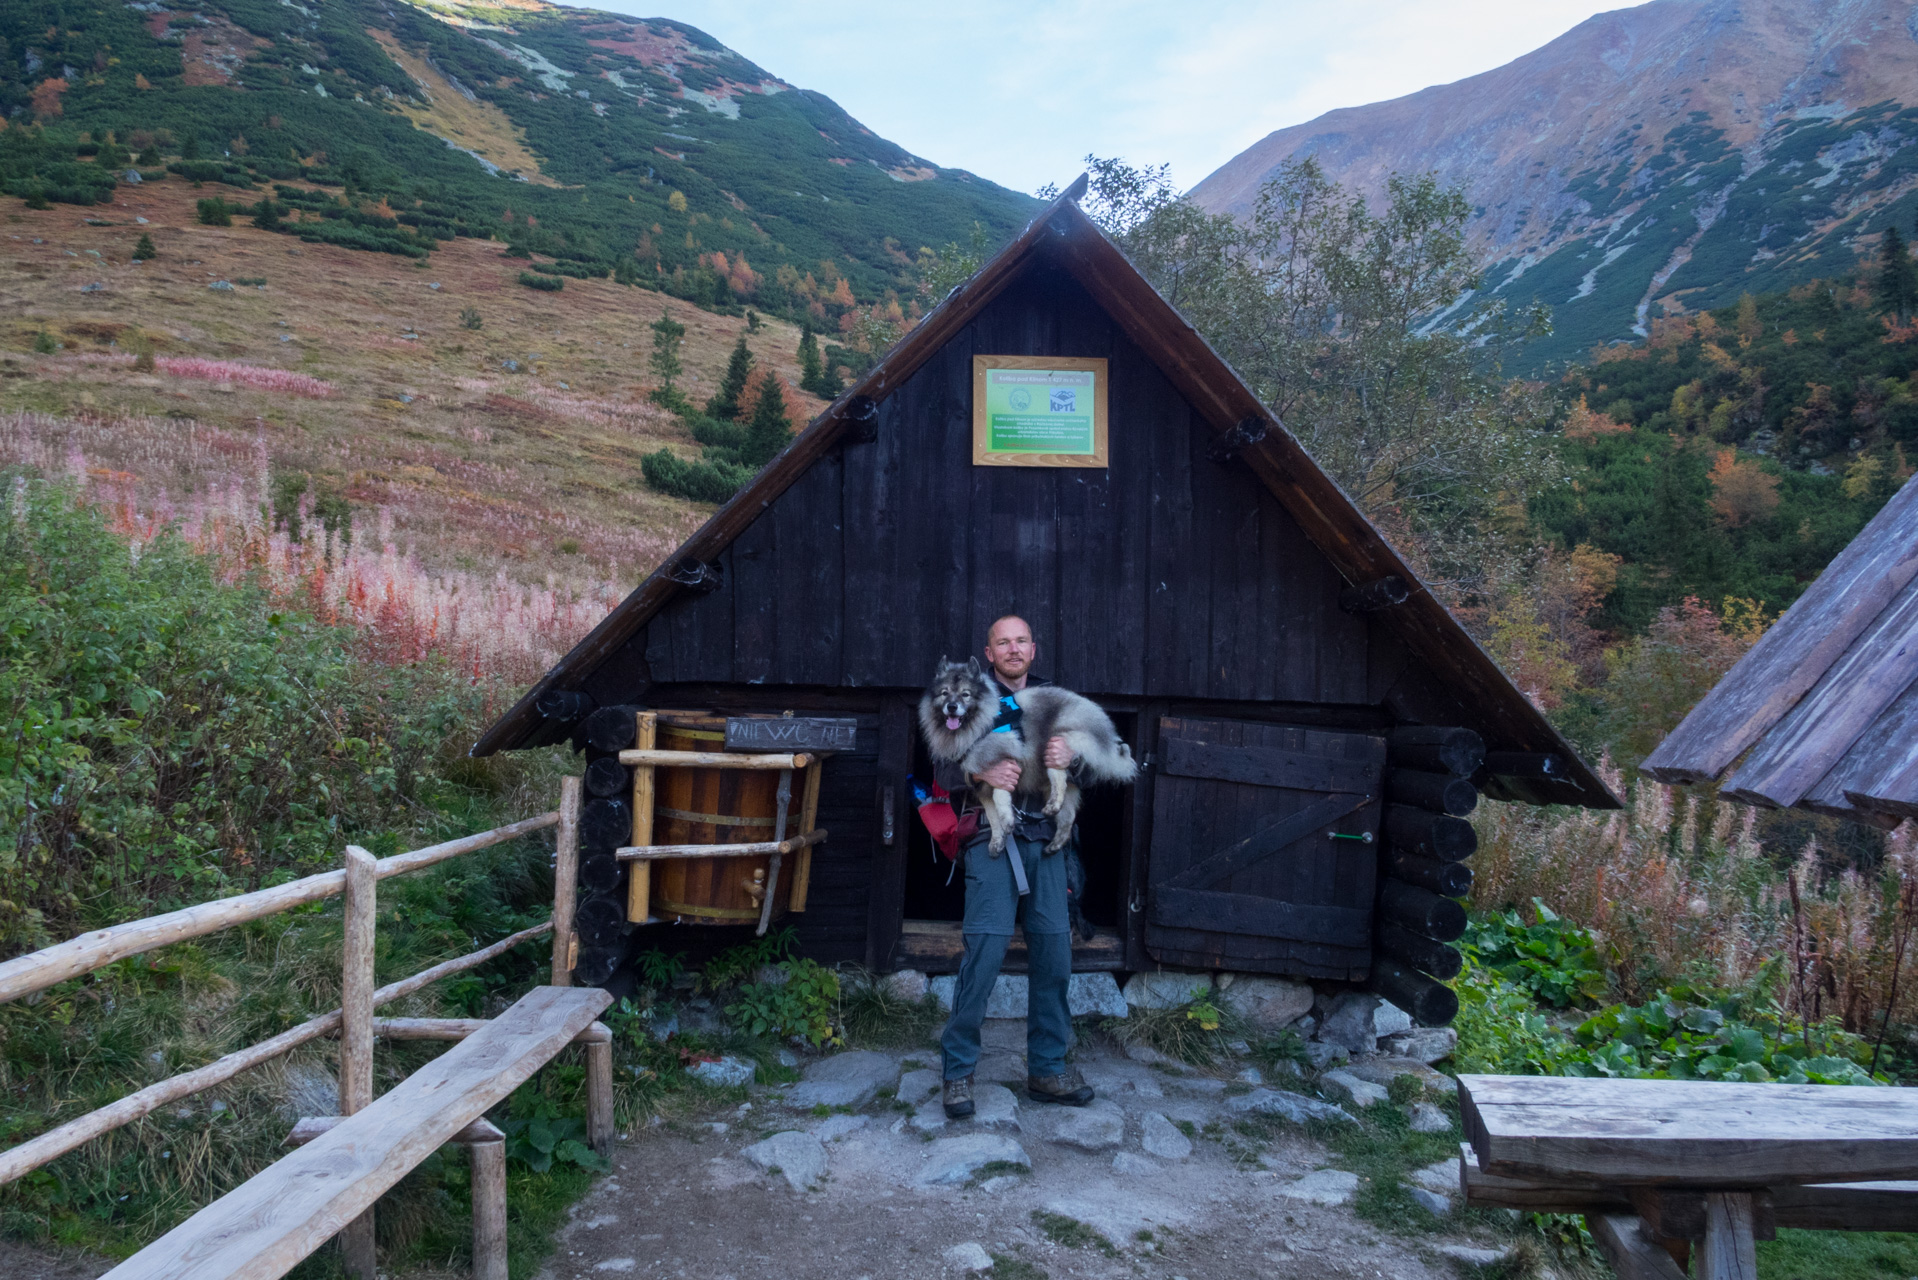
{"x":952,"y":722}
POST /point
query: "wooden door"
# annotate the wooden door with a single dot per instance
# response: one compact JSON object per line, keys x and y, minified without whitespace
{"x":1264,"y":854}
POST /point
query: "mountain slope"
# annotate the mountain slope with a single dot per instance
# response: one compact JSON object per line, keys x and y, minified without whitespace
{"x":1652,"y":160}
{"x":640,"y":146}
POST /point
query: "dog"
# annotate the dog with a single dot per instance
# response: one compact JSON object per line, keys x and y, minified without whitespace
{"x":957,"y":713}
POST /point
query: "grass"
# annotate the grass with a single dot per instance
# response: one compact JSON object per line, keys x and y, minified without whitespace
{"x":1007,"y":1267}
{"x":874,"y":1016}
{"x":1838,"y":1255}
{"x":1071,"y":1233}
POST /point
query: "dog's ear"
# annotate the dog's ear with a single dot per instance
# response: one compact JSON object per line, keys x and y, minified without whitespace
{"x":944,"y":662}
{"x":972,"y":667}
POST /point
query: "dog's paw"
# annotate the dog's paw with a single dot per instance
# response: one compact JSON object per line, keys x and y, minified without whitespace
{"x":1058,"y":842}
{"x":1053,"y":806}
{"x":996,"y":848}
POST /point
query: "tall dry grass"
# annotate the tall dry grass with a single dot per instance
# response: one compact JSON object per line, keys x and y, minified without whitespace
{"x":213,"y":488}
{"x":1680,"y":888}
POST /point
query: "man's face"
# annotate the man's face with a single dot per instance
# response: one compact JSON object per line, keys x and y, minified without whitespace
{"x":1009,"y":648}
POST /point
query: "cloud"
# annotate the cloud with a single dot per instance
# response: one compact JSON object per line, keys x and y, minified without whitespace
{"x":1019,"y":92}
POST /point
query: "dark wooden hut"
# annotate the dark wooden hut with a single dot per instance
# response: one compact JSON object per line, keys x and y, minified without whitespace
{"x":1822,"y":714}
{"x":1314,"y":721}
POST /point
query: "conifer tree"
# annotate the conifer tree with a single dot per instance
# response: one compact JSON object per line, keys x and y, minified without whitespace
{"x":667,"y":333}
{"x":266,"y":215}
{"x":144,"y":251}
{"x":770,"y":429}
{"x":810,"y":366}
{"x":725,"y":401}
{"x":1898,"y":276}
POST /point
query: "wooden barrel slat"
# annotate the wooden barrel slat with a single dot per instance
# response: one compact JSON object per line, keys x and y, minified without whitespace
{"x":712,"y":891}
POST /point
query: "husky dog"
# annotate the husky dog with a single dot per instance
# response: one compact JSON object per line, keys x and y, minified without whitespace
{"x":957,"y":715}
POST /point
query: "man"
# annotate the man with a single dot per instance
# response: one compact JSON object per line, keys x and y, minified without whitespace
{"x":995,"y":900}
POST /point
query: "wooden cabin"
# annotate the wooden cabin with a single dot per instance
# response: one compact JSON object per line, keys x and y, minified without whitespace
{"x":1312,"y":719}
{"x":1822,"y":713}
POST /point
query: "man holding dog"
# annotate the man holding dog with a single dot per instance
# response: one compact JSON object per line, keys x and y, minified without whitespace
{"x":996,"y":901}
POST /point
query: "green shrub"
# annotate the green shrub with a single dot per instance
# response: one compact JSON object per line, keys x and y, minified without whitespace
{"x":213,"y":212}
{"x":695,"y":481}
{"x":470,"y":318}
{"x":43,"y":343}
{"x":144,"y":251}
{"x":1554,"y":959}
{"x":804,"y":1006}
{"x":540,"y":1133}
{"x":547,"y":284}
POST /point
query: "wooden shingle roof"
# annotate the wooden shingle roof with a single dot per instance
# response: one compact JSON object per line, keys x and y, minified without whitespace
{"x":1824,"y":709}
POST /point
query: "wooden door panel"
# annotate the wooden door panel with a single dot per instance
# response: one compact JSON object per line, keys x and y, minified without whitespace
{"x":1245,"y":872}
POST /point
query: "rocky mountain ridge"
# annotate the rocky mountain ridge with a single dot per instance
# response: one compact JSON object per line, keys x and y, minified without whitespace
{"x":1653,"y":160}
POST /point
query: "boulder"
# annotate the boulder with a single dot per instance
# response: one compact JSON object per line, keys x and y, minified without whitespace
{"x":1472,"y":1255}
{"x":1364,"y":1093}
{"x":1098,"y":1126}
{"x":918,"y":1085}
{"x":1348,"y":1021}
{"x":1385,"y":1070}
{"x":1323,"y":1187}
{"x":994,"y":1107}
{"x":1270,"y":1004}
{"x":1160,"y":1137}
{"x":1288,"y":1106}
{"x":1088,"y":994}
{"x":1390,"y":1020}
{"x":845,"y":1080}
{"x":1427,"y":1044}
{"x":1430,"y":1201}
{"x":909,"y":985}
{"x":951,"y":1161}
{"x":970,"y":1256}
{"x":1162,"y":990}
{"x":799,"y":1157}
{"x":1423,"y":1117}
{"x":1008,"y":998}
{"x":1441,"y":1176}
{"x":1322,"y":1055}
{"x":724,"y":1071}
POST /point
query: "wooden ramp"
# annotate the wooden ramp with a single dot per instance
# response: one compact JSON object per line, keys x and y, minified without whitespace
{"x":263,"y":1228}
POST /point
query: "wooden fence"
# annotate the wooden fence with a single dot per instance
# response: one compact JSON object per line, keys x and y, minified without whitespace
{"x":353,"y":1022}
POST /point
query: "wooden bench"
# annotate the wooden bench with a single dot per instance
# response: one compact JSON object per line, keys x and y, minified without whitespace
{"x":1656,"y":1165}
{"x":264,"y":1228}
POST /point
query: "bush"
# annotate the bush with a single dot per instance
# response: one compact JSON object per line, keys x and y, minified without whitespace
{"x":1554,"y":960}
{"x":144,"y":251}
{"x":214,"y":213}
{"x":546,"y":284}
{"x":470,"y":318}
{"x":702,"y":481}
{"x":805,"y":1006}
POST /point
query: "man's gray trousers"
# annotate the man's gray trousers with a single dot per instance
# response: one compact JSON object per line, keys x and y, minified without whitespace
{"x":993,"y":906}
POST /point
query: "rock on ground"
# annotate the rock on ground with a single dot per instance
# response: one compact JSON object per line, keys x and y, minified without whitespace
{"x":1086,"y":994}
{"x":1471,"y":1254}
{"x":1163,"y":990}
{"x":725,"y":1071}
{"x":1126,"y":1164}
{"x":951,"y":1161}
{"x":1095,"y":993}
{"x":1431,"y":1201}
{"x":970,"y":1256}
{"x":1427,"y":1044}
{"x":1364,"y":1092}
{"x":1097,"y":1126}
{"x":799,"y":1157}
{"x":1267,"y":1003}
{"x":1321,"y":1055}
{"x":1348,"y":1022}
{"x":1288,"y":1106}
{"x":834,"y":1128}
{"x":1326,"y":1187}
{"x":1423,"y":1117}
{"x":1386,"y":1070}
{"x":994,"y":1107}
{"x":919,"y":1084}
{"x":845,"y":1080}
{"x":1159,"y":1137}
{"x":1441,"y":1176}
{"x":1390,"y":1020}
{"x":908,"y":984}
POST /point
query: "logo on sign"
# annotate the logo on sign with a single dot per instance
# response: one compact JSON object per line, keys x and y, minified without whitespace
{"x":1020,"y":399}
{"x":1065,"y":400}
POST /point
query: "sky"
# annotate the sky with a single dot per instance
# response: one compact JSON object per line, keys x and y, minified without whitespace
{"x":1018,"y":91}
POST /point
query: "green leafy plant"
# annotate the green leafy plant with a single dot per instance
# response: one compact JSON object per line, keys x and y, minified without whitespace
{"x":1687,"y":1034}
{"x":213,"y":212}
{"x":43,"y":343}
{"x":1553,"y":958}
{"x":657,"y":969}
{"x":804,"y":1006}
{"x":470,"y":318}
{"x":144,"y":251}
{"x":742,"y":961}
{"x":545,"y":284}
{"x":540,"y":1134}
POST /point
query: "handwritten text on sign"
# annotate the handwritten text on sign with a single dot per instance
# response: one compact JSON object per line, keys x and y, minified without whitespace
{"x":790,"y":733}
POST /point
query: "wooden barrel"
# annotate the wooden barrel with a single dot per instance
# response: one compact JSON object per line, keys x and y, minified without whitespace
{"x":715,"y":806}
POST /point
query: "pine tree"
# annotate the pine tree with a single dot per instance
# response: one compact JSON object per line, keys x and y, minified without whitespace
{"x":810,"y":366}
{"x":144,"y":251}
{"x":266,"y":215}
{"x":1898,"y":276}
{"x":725,"y":401}
{"x":667,"y":334}
{"x":770,"y":429}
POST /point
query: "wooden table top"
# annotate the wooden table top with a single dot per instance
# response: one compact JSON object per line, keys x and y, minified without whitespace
{"x":1688,"y":1132}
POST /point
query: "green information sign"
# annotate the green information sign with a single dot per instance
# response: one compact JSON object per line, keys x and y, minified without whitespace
{"x":1041,"y":411}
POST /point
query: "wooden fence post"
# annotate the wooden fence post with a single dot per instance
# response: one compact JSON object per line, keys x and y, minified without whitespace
{"x":356,"y":1030}
{"x":639,"y":889}
{"x":489,"y":1210}
{"x":565,"y":882}
{"x":1727,"y":1251}
{"x":599,"y":1095}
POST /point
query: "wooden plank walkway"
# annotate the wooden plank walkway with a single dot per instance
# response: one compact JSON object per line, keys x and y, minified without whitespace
{"x":263,"y":1228}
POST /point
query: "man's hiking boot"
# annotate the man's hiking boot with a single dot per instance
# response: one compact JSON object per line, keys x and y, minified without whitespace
{"x":958,"y":1098}
{"x":1068,"y":1088}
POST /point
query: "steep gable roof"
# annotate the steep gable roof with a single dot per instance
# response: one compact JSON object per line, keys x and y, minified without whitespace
{"x":1063,"y":233}
{"x":1826,"y":702}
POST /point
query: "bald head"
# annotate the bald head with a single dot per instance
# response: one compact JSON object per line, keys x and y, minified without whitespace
{"x":1010,"y":650}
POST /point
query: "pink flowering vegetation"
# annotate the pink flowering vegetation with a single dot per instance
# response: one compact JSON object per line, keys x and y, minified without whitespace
{"x":259,"y":377}
{"x":215,"y":489}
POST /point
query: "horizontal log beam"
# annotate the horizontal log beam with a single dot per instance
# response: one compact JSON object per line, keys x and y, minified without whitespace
{"x":1415,"y":949}
{"x":1429,"y":834}
{"x":714,"y":760}
{"x":41,"y":969}
{"x":1450,"y":879}
{"x":1442,"y":750}
{"x":460,"y":1028}
{"x":1439,"y":792}
{"x":1422,"y":911}
{"x":311,"y":1127}
{"x":654,"y":852}
{"x":1431,"y":1004}
{"x":53,"y":1144}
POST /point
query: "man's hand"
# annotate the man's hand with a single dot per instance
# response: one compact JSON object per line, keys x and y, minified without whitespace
{"x":1004,"y":775}
{"x":1058,"y":754}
